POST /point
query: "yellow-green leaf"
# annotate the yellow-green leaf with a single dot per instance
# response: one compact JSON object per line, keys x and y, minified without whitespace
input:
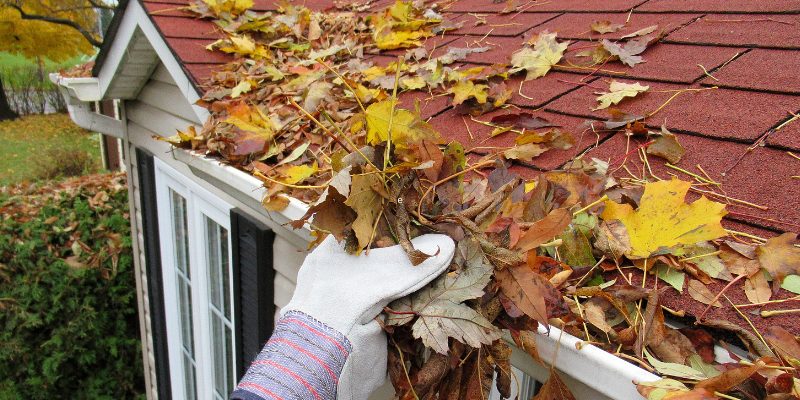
{"x":406,"y":126}
{"x":538,"y":60}
{"x":663,"y":220}
{"x":465,"y":89}
{"x":617,"y":92}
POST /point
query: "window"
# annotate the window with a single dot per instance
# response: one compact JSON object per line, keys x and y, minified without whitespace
{"x":198,"y":288}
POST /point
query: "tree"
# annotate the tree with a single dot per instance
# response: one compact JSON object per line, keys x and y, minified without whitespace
{"x":52,"y":29}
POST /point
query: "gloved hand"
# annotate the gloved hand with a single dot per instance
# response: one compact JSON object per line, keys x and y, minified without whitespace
{"x":346,"y":292}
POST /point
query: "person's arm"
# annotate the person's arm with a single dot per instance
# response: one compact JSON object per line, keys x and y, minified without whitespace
{"x":327,"y":344}
{"x":303,"y":359}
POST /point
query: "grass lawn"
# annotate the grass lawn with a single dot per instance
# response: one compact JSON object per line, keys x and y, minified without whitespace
{"x":35,"y":142}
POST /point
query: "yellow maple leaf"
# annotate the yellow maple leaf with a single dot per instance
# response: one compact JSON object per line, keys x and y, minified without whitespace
{"x":299,"y":173}
{"x":663,"y":220}
{"x":406,"y":126}
{"x":618,"y":91}
{"x":538,"y":60}
{"x":465,"y":89}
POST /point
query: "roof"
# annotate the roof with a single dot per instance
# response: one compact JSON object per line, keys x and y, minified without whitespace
{"x":741,"y":134}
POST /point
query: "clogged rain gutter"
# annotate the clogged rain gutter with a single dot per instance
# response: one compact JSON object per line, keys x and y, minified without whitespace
{"x":602,"y":372}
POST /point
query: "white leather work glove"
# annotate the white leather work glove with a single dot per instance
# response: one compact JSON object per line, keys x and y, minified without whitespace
{"x":347,"y":292}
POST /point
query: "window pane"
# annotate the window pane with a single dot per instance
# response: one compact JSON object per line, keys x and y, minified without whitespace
{"x":219,"y":307}
{"x":185,"y":305}
{"x":226,"y":276}
{"x":190,"y":381}
{"x":184,"y":290}
{"x":181,"y":232}
{"x":229,"y":359}
{"x":219,"y":356}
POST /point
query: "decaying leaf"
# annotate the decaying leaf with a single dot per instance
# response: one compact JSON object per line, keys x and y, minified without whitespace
{"x":617,"y":92}
{"x":664,"y":221}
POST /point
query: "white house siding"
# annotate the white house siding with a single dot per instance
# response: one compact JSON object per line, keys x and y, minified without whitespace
{"x":159,"y":110}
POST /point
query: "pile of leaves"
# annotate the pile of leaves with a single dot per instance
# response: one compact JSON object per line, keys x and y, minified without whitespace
{"x":303,"y":109}
{"x":68,"y":316}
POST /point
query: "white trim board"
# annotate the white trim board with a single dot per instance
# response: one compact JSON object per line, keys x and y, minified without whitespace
{"x":124,"y":43}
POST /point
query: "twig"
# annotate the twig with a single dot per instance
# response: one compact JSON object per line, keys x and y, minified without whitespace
{"x":793,"y":155}
{"x":713,"y":253}
{"x":772,"y":313}
{"x":721,"y":293}
{"x":403,"y":363}
{"x":258,"y":174}
{"x":753,"y":327}
{"x":678,"y":93}
{"x":705,"y":71}
{"x":592,"y":204}
{"x":752,"y":147}
{"x":763,"y":303}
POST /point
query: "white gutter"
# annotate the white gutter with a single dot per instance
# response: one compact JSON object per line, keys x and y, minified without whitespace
{"x":79,"y":94}
{"x":600,"y":373}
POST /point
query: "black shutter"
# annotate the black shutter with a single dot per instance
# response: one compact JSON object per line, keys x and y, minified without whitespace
{"x":253,"y":286}
{"x":152,"y":255}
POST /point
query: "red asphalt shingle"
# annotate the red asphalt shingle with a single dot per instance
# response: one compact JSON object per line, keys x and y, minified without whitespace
{"x":788,"y":136}
{"x":679,"y":63}
{"x":578,"y":26}
{"x":725,"y":6}
{"x":538,"y":92}
{"x":780,"y":31}
{"x":545,"y":5}
{"x":721,"y":113}
{"x":499,"y":25}
{"x":761,"y":69}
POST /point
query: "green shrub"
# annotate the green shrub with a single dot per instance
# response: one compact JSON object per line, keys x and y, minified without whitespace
{"x":68,"y":319}
{"x":64,"y":162}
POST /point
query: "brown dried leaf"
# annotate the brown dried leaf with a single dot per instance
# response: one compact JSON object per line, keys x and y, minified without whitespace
{"x":554,"y":389}
{"x":605,"y":26}
{"x":784,"y":343}
{"x":700,"y":292}
{"x":757,"y":289}
{"x":730,"y":378}
{"x":779,"y":256}
{"x":545,"y":229}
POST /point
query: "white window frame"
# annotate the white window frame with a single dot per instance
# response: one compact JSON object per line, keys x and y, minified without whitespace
{"x":200,"y":203}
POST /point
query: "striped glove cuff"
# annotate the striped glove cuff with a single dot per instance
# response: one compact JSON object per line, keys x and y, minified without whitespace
{"x":302,"y":360}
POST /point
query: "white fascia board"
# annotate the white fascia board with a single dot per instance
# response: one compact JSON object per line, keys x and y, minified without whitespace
{"x":599,"y":370}
{"x":136,"y":17}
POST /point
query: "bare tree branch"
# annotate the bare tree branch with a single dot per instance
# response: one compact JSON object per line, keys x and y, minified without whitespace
{"x":61,"y":21}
